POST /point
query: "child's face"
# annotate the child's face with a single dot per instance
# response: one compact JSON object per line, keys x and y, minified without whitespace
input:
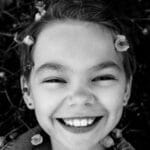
{"x":78,"y":79}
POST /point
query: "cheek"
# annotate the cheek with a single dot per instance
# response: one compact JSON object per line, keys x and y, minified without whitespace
{"x":45,"y":102}
{"x":112,"y":99}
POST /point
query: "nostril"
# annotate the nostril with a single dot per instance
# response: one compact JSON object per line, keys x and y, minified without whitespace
{"x":90,"y":100}
{"x":81,"y":99}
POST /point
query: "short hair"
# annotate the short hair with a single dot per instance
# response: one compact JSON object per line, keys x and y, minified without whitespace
{"x":95,"y":11}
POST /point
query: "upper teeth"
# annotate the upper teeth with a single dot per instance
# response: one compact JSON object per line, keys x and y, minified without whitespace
{"x":79,"y":122}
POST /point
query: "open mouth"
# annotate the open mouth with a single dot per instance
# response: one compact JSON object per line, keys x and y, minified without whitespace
{"x":79,"y":124}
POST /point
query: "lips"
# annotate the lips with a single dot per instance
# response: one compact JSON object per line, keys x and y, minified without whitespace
{"x":79,"y":124}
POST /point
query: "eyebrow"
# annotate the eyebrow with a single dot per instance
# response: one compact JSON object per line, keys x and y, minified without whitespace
{"x":51,"y":66}
{"x":105,"y":65}
{"x":61,"y":68}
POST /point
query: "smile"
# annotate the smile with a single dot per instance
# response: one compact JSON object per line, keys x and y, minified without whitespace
{"x":79,"y":122}
{"x":79,"y":125}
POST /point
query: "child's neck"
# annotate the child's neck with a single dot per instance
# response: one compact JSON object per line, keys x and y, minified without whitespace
{"x":58,"y":146}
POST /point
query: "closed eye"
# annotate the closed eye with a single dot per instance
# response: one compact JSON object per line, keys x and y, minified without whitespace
{"x":104,"y":78}
{"x":54,"y":80}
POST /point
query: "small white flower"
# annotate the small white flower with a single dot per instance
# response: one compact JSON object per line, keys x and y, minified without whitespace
{"x":28,"y":40}
{"x":121,"y":43}
{"x":39,"y":15}
{"x":2,"y":74}
{"x":40,"y":6}
{"x":36,"y":139}
{"x":108,"y":142}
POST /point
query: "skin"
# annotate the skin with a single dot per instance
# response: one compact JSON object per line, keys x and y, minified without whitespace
{"x":77,"y":73}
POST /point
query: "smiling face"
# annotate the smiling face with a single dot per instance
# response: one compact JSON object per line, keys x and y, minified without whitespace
{"x":77,"y":85}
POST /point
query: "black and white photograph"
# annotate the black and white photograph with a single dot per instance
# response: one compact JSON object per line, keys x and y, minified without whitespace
{"x":74,"y":74}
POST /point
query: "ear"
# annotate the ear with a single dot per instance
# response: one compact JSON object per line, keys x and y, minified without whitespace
{"x":26,"y":93}
{"x":127,"y":91}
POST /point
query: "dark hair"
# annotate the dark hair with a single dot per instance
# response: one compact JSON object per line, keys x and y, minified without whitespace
{"x":83,"y":10}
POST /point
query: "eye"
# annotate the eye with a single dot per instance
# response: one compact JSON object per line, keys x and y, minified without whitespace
{"x":104,"y":78}
{"x":54,"y":80}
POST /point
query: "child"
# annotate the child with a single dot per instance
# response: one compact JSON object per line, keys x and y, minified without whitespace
{"x":77,"y":69}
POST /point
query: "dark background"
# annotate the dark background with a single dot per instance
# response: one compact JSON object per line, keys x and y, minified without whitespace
{"x":15,"y":15}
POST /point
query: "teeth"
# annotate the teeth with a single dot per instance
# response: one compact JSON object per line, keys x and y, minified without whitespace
{"x":79,"y":122}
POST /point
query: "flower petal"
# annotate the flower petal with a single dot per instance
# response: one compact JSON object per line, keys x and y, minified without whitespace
{"x":28,"y":40}
{"x":36,"y":139}
{"x":121,"y":43}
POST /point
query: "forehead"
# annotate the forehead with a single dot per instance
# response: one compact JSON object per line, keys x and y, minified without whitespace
{"x":78,"y":44}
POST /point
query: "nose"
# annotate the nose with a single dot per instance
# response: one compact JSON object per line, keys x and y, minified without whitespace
{"x":81,"y":97}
